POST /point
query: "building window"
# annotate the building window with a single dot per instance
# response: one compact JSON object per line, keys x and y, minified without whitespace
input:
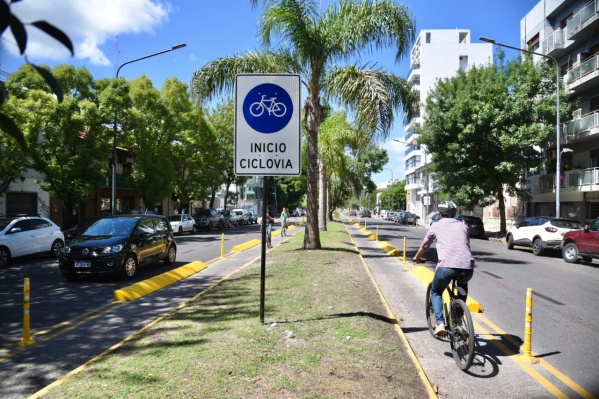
{"x":428,"y":37}
{"x":463,"y":62}
{"x":533,"y":43}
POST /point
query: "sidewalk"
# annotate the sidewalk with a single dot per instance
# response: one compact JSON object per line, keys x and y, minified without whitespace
{"x":327,"y":333}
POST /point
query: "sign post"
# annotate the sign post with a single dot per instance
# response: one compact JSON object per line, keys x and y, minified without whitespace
{"x":267,"y":136}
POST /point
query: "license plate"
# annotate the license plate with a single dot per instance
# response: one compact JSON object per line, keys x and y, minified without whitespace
{"x":83,"y":263}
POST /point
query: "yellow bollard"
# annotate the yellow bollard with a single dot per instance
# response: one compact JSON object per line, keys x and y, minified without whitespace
{"x":26,"y":340}
{"x":365,"y":224}
{"x":222,"y":246}
{"x":527,"y":345}
{"x":405,"y":245}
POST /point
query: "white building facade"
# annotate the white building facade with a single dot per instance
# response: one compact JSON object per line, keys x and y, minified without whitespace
{"x":436,"y":54}
{"x":568,"y":31}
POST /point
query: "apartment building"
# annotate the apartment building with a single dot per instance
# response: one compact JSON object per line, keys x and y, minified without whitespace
{"x":568,"y":31}
{"x":436,"y":54}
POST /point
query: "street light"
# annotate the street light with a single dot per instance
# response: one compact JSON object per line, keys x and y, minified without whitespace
{"x":392,"y":187}
{"x":558,"y":133}
{"x":113,"y":197}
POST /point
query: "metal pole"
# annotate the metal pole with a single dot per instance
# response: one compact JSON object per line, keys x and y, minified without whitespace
{"x":113,"y":196}
{"x":263,"y":250}
{"x":558,"y":172}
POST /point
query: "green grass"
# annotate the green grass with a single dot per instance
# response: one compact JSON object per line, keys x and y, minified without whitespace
{"x":216,"y":347}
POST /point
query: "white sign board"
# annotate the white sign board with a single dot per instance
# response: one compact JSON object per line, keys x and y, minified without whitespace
{"x":267,"y":125}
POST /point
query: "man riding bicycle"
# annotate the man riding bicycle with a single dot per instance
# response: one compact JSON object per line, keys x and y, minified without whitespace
{"x":454,"y":255}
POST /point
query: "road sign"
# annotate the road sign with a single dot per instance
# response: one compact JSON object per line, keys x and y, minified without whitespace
{"x":267,"y":125}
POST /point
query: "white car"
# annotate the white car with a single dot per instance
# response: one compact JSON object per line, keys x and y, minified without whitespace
{"x":243,"y":215}
{"x":182,"y":223}
{"x":27,"y":235}
{"x":540,"y":233}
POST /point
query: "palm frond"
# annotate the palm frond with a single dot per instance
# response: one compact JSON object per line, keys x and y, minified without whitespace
{"x":372,"y":93}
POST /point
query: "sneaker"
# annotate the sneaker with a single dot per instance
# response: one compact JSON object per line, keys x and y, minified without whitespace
{"x":440,"y":330}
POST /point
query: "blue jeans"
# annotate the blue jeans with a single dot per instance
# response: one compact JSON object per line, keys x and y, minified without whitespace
{"x":443,"y":276}
{"x":269,"y":232}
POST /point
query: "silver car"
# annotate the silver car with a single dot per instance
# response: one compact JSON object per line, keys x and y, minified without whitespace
{"x":182,"y":223}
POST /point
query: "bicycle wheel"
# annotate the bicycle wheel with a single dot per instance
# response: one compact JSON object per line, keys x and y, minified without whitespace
{"x":461,"y":335}
{"x":430,"y":313}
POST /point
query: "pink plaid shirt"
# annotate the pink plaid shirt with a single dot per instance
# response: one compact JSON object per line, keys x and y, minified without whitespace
{"x":453,"y":243}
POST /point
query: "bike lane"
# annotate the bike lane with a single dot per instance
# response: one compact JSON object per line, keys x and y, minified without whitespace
{"x":498,"y":369}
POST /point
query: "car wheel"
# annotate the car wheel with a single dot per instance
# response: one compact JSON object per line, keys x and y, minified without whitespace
{"x":537,"y":247}
{"x":510,"y":241}
{"x":130,"y":266}
{"x":4,"y":256}
{"x":171,"y":255}
{"x":180,"y":232}
{"x":570,"y":253}
{"x":56,"y":248}
{"x":193,"y":229}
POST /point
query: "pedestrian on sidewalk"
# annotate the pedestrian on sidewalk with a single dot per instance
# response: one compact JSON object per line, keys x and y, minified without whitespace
{"x":284,"y":221}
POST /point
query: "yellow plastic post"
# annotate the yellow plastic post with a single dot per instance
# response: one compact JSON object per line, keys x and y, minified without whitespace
{"x":222,"y":246}
{"x":527,"y":345}
{"x":26,"y":340}
{"x":405,"y":245}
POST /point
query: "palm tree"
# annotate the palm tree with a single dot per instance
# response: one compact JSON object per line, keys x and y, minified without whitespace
{"x":312,"y":44}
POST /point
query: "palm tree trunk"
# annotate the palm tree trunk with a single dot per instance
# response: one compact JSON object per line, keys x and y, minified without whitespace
{"x":322,"y":202}
{"x":312,"y":121}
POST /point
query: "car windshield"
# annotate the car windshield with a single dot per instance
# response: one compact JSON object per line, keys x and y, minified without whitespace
{"x":174,"y":218}
{"x":4,"y":223}
{"x":112,"y":227}
{"x":204,"y":213}
{"x":566,"y":224}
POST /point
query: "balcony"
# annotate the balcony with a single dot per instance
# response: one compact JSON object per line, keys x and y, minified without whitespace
{"x":555,"y":44}
{"x":579,"y":128}
{"x":584,"y":75}
{"x":578,"y":24}
{"x":580,"y":180}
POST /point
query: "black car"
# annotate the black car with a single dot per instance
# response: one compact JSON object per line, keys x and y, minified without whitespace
{"x":475,"y":225}
{"x":117,"y":245}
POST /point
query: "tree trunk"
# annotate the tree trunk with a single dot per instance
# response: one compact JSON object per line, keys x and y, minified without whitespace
{"x":502,"y":221}
{"x":322,"y":195}
{"x":312,"y":118}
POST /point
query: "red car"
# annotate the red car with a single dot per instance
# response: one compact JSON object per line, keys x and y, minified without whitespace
{"x":583,"y":244}
{"x":353,"y":213}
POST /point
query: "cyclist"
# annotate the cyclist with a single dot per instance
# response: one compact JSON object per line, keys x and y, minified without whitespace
{"x":284,"y":217}
{"x":455,"y":257}
{"x":270,"y":220}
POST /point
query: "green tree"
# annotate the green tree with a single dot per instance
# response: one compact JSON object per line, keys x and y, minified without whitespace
{"x":66,"y":141}
{"x":314,"y":45}
{"x":150,"y":134}
{"x":484,"y":128}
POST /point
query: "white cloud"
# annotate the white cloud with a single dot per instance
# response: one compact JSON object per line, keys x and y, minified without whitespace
{"x":88,"y":23}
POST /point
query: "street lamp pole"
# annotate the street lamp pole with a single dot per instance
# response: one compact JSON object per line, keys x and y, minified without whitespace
{"x":558,"y":133}
{"x":113,"y":197}
{"x":392,"y":188}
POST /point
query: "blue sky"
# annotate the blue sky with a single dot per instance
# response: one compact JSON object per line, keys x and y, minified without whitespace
{"x":108,"y":33}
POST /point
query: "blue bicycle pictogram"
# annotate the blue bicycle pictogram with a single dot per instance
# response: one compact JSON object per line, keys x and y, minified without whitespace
{"x":275,"y":108}
{"x":267,"y":108}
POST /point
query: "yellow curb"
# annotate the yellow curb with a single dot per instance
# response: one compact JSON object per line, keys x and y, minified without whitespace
{"x":246,"y":245}
{"x":391,"y":250}
{"x":148,"y":286}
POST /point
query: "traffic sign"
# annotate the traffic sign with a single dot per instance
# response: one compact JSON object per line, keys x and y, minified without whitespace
{"x":267,"y":125}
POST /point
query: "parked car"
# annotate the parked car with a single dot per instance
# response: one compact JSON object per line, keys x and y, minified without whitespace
{"x":229,"y":218}
{"x":583,"y":244}
{"x":431,"y":218}
{"x":411,"y":219}
{"x":182,"y":223}
{"x":252,"y":218}
{"x":390,"y":215}
{"x":207,"y":219}
{"x":365,"y":213}
{"x":540,"y":233}
{"x":397,"y":216}
{"x":117,"y":245}
{"x":383,"y":214}
{"x":28,"y":235}
{"x":476,"y":227}
{"x":243,"y":215}
{"x":352,"y":212}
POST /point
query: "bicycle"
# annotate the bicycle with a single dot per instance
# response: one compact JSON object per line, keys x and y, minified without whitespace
{"x":275,"y":108}
{"x":458,"y":320}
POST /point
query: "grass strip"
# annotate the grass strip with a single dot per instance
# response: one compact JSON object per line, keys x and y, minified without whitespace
{"x":325,"y":336}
